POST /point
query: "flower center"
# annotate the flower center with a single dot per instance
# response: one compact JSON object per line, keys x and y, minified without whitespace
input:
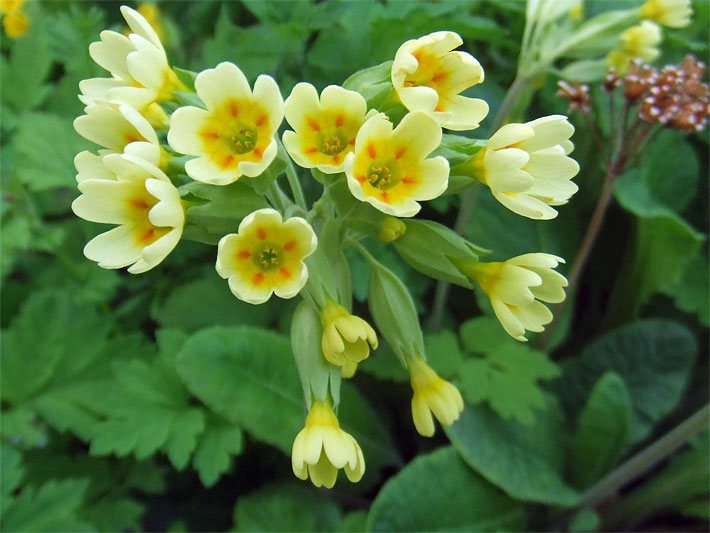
{"x":380,"y":177}
{"x":244,"y":140}
{"x":268,"y":257}
{"x":333,"y":144}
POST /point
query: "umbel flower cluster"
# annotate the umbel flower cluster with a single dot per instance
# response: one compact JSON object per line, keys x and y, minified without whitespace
{"x":173,"y":141}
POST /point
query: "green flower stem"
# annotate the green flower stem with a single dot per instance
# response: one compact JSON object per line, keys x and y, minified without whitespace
{"x":292,"y":177}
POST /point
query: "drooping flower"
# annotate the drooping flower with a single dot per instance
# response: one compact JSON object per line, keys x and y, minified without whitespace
{"x":139,"y":198}
{"x":234,"y":136}
{"x":347,"y":339}
{"x":527,"y":168}
{"x":671,"y":13}
{"x":266,"y":256}
{"x":432,"y":396}
{"x":321,"y":448}
{"x":637,"y":42}
{"x":138,"y":65}
{"x":389,"y":168}
{"x":324,"y":128}
{"x":429,"y":77}
{"x":517,"y":288}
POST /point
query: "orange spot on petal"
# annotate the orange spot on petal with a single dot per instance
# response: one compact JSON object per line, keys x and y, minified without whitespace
{"x":371,"y":151}
{"x":147,"y":236}
{"x":227,"y":161}
{"x":313,"y":124}
{"x":261,"y":121}
{"x":385,"y":196}
{"x":290,"y":245}
{"x":339,"y":121}
{"x":138,"y":203}
{"x":400,"y":152}
{"x":257,"y":152}
{"x":261,"y":233}
{"x":439,"y":76}
{"x":285,"y":272}
{"x":233,"y":109}
{"x":361,"y":179}
{"x":311,"y":150}
{"x":258,"y":279}
{"x":408,"y":180}
{"x":212,"y":135}
{"x":244,"y":254}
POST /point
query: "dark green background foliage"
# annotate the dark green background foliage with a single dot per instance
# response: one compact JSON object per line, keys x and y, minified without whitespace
{"x":159,"y":401}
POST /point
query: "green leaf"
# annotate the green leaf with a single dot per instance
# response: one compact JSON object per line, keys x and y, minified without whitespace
{"x":11,"y":473}
{"x":21,"y":426}
{"x":507,"y":378}
{"x":286,"y":507}
{"x":664,"y":245}
{"x":213,"y":456}
{"x":22,"y":85}
{"x":462,"y":501}
{"x":353,"y":522}
{"x":524,"y":461}
{"x":692,"y":292}
{"x":218,"y":306}
{"x":671,"y":154}
{"x":443,"y":352}
{"x":47,"y":144}
{"x":248,"y":376}
{"x":585,"y":520}
{"x":602,"y":430}
{"x":483,"y":334}
{"x":653,"y":357}
{"x":52,"y":507}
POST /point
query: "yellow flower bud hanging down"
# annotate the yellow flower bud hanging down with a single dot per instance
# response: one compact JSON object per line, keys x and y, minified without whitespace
{"x":266,"y":256}
{"x":325,"y":127}
{"x":429,"y":77}
{"x":321,"y":449}
{"x":138,"y":65}
{"x":347,"y":339}
{"x":391,"y":229}
{"x":138,"y":197}
{"x":637,"y":42}
{"x":234,"y":136}
{"x":517,"y":288}
{"x":527,"y":168}
{"x":671,"y":13}
{"x":389,"y":168}
{"x":432,"y":396}
{"x":15,"y":24}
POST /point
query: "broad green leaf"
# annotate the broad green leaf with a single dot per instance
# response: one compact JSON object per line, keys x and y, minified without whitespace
{"x":213,"y":456}
{"x":524,"y":461}
{"x":671,"y":170}
{"x":52,"y":507}
{"x":22,"y":427}
{"x":663,"y":246}
{"x":47,"y":144}
{"x":507,"y":378}
{"x":483,"y":334}
{"x":438,"y":492}
{"x":653,"y":357}
{"x":23,"y":76}
{"x":114,"y":514}
{"x":602,"y":430}
{"x":692,"y":292}
{"x":248,"y":376}
{"x":286,"y":507}
{"x":218,"y":306}
{"x":11,"y":473}
{"x":443,"y":352}
{"x":353,"y":522}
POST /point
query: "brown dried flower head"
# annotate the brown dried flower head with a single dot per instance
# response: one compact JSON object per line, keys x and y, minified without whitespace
{"x":577,"y":94}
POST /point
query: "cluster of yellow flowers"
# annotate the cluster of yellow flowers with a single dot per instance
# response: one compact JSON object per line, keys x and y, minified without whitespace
{"x":15,"y":21}
{"x":139,"y":118}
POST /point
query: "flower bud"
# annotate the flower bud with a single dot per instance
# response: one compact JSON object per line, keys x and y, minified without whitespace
{"x":347,"y":339}
{"x":432,"y":396}
{"x":391,"y":229}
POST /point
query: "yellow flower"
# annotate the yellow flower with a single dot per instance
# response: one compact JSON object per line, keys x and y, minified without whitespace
{"x":138,"y":197}
{"x":671,"y":13}
{"x":234,"y":136}
{"x":389,"y":169}
{"x":15,"y":24}
{"x":138,"y":64}
{"x":151,"y":14}
{"x":325,"y":128}
{"x":637,"y":42}
{"x":428,"y":77}
{"x":10,"y":6}
{"x":527,"y":168}
{"x":347,"y":339}
{"x":114,"y":126}
{"x":321,"y":449}
{"x":517,"y":288}
{"x":266,"y":256}
{"x":432,"y":395}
